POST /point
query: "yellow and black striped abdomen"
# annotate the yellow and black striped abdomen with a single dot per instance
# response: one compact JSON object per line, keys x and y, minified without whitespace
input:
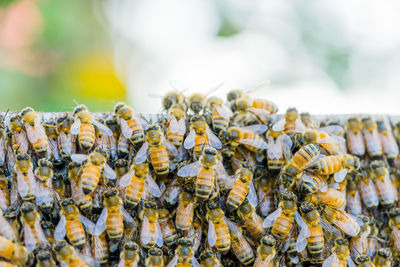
{"x":204,"y":183}
{"x":86,"y":136}
{"x":219,"y":122}
{"x":316,"y":241}
{"x":90,"y":178}
{"x":305,"y":154}
{"x":201,"y":141}
{"x":223,"y":243}
{"x":75,"y":233}
{"x":237,"y":195}
{"x":159,"y":159}
{"x":137,"y":132}
{"x":330,"y":165}
{"x":115,"y":225}
{"x":134,"y":191}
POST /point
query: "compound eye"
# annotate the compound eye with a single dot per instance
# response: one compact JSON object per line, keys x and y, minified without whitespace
{"x":114,"y":193}
{"x":19,"y":157}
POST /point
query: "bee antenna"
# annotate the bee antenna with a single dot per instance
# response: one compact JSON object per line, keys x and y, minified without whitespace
{"x":76,"y":102}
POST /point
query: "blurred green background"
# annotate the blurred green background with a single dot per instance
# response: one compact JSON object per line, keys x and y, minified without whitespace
{"x":52,"y":52}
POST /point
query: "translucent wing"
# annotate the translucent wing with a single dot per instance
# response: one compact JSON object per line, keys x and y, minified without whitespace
{"x":279,"y":126}
{"x":6,"y":229}
{"x":173,"y":125}
{"x":127,"y":178}
{"x":274,"y":151}
{"x":102,"y":128}
{"x":350,"y":262}
{"x":270,"y":220}
{"x":79,"y":158}
{"x":54,"y":149}
{"x":39,"y":130}
{"x":190,"y":170}
{"x":174,"y":261}
{"x":313,"y":161}
{"x":101,"y":225}
{"x":30,"y":240}
{"x":332,"y":260}
{"x":44,"y":194}
{"x":211,"y":235}
{"x":141,"y":156}
{"x":88,"y":259}
{"x":32,"y":136}
{"x":182,"y":126}
{"x":127,"y":217}
{"x":125,"y":129}
{"x":23,"y":187}
{"x":158,"y":235}
{"x":348,"y":224}
{"x":2,"y":151}
{"x":195,"y":263}
{"x":190,"y":140}
{"x":152,"y":186}
{"x":252,"y":196}
{"x":332,"y":129}
{"x":214,"y":140}
{"x":255,"y":128}
{"x":89,"y":225}
{"x":60,"y":231}
{"x":145,"y":236}
{"x":109,"y":172}
{"x":3,"y":201}
{"x":340,"y":175}
{"x":76,"y":127}
{"x":304,"y":233}
{"x":396,"y":236}
{"x":300,"y":127}
{"x":171,"y":149}
{"x":258,"y":143}
{"x":223,"y":111}
{"x":66,"y":143}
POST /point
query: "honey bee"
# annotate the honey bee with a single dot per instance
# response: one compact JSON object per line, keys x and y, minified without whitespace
{"x":67,"y":255}
{"x":112,"y":216}
{"x":353,"y":201}
{"x":208,"y":259}
{"x":106,"y":143}
{"x":65,"y":138}
{"x":50,"y":128}
{"x":197,"y":101}
{"x":383,"y":258}
{"x":157,"y":147}
{"x":359,"y":244}
{"x":58,"y":185}
{"x":354,"y":136}
{"x":386,"y":191}
{"x":92,"y":170}
{"x":33,"y":233}
{"x":334,"y":164}
{"x":371,"y":137}
{"x":316,"y":241}
{"x":369,"y":194}
{"x":19,"y":139}
{"x":218,"y":232}
{"x":173,"y":98}
{"x":340,"y":254}
{"x":266,"y":197}
{"x":132,"y":127}
{"x":200,"y":136}
{"x":248,"y":137}
{"x":83,"y":126}
{"x":313,"y":182}
{"x":394,"y":225}
{"x":136,"y":181}
{"x":345,"y":222}
{"x":99,"y":246}
{"x":121,"y":167}
{"x":388,"y":141}
{"x":364,"y":261}
{"x":290,"y":124}
{"x":167,"y":227}
{"x":150,"y":233}
{"x":331,"y":197}
{"x":205,"y":169}
{"x":297,"y":163}
{"x":184,"y":254}
{"x":48,"y":230}
{"x":154,"y":258}
{"x":242,"y":187}
{"x":176,"y":125}
{"x":220,"y":114}
{"x":129,"y":255}
{"x":35,"y":132}
{"x":14,"y":252}
{"x":282,"y":221}
{"x":44,"y":192}
{"x":185,"y":210}
{"x":25,"y":177}
{"x":172,"y":193}
{"x":45,"y":259}
{"x":6,"y":229}
{"x":4,"y":192}
{"x":71,"y":224}
{"x":279,"y":149}
{"x":308,"y":120}
{"x":241,"y":248}
{"x":326,"y":138}
{"x":266,"y":252}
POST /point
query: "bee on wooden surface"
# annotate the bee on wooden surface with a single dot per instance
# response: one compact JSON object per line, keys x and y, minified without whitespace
{"x":354,"y":137}
{"x":371,"y":137}
{"x":388,"y":141}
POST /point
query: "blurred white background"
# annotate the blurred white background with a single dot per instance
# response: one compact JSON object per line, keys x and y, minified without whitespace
{"x":320,"y":56}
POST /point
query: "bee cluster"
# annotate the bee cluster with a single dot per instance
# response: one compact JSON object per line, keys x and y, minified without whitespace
{"x":211,"y":183}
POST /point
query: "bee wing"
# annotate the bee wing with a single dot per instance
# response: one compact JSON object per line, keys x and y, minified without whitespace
{"x":141,"y":155}
{"x":126,"y":178}
{"x":3,"y":200}
{"x":2,"y":151}
{"x":332,"y":260}
{"x":145,"y":236}
{"x":396,"y":236}
{"x":127,"y":217}
{"x":158,"y":235}
{"x":332,"y":129}
{"x":171,"y":149}
{"x":89,"y":225}
{"x":350,"y":262}
{"x":304,"y":233}
{"x":340,"y":175}
{"x":260,"y":262}
{"x":300,"y":127}
{"x":270,"y":219}
{"x":22,"y":141}
{"x":279,"y":126}
{"x":195,"y":263}
{"x":351,"y":228}
{"x":43,"y":194}
{"x":29,"y":238}
{"x":60,"y":231}
{"x":173,"y":124}
{"x":39,"y":129}
{"x":214,"y":140}
{"x":223,"y":110}
{"x":75,"y":127}
{"x":109,"y":172}
{"x":6,"y":229}
{"x":255,"y":128}
{"x":274,"y":151}
{"x":102,"y":128}
{"x":190,"y":170}
{"x":54,"y":149}
{"x":190,"y":140}
{"x":142,"y":122}
{"x":125,"y":129}
{"x":182,"y":126}
{"x":121,"y":262}
{"x":262,"y":113}
{"x":252,"y":196}
{"x":174,"y":261}
{"x":152,"y":186}
{"x":66,"y":142}
{"x":211,"y":235}
{"x":32,"y":136}
{"x":79,"y":158}
{"x":261,"y":144}
{"x":101,"y":224}
{"x":313,"y":161}
{"x":88,"y":259}
{"x":23,"y":187}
